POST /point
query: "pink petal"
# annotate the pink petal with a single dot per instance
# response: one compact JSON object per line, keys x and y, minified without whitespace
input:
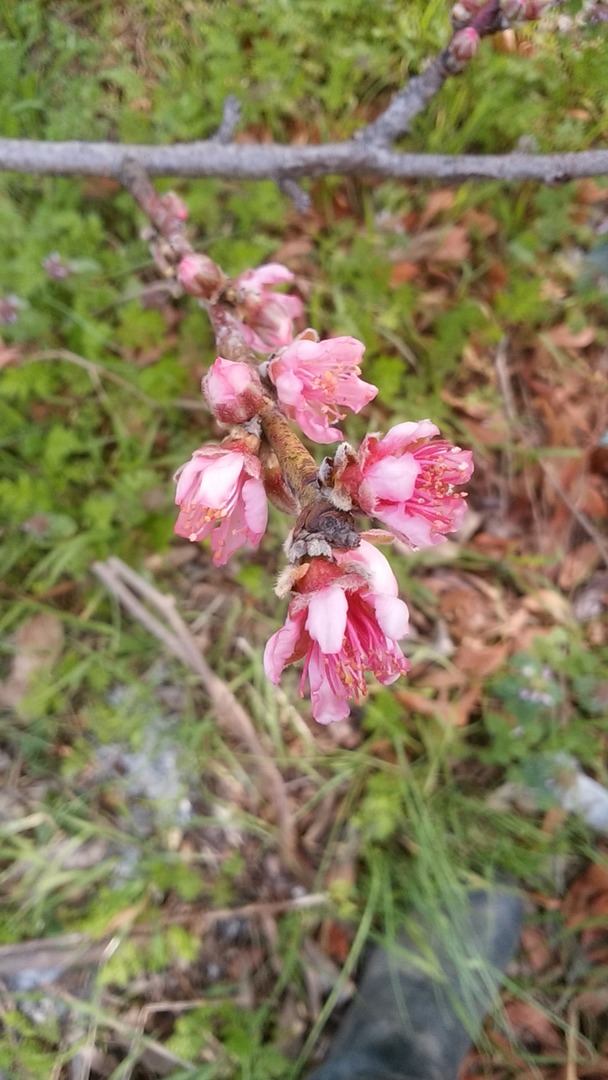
{"x":398,"y":438}
{"x":417,"y":531}
{"x":327,"y":707}
{"x":328,"y":704}
{"x":326,"y":622}
{"x":342,"y":350}
{"x":270,"y":274}
{"x":316,"y":427}
{"x":218,"y":481}
{"x":256,"y":508}
{"x":292,"y":305}
{"x":289,"y":387}
{"x":281,"y":647}
{"x":393,"y":478}
{"x":392,"y":615}
{"x":377,"y":567}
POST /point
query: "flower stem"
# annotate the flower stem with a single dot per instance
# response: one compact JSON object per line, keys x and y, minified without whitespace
{"x":299,"y":468}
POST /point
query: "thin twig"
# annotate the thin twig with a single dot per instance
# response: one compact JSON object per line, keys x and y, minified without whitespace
{"x":98,"y":371}
{"x":64,"y":951}
{"x":300,"y":198}
{"x":571,"y":1042}
{"x":406,"y":105}
{"x":124,"y":583}
{"x":275,"y":162}
{"x":231,"y":116}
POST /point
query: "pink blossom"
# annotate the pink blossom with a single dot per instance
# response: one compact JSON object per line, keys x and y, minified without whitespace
{"x":342,"y":623}
{"x":233,"y":391}
{"x":406,"y":479}
{"x":220,"y":494}
{"x":312,"y":378}
{"x":266,"y":316}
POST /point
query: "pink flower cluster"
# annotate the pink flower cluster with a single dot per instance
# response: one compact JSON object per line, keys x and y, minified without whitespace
{"x":344,"y":616}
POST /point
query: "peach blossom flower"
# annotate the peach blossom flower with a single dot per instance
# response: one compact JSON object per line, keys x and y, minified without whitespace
{"x":406,"y":479}
{"x":345,"y":618}
{"x":220,"y":494}
{"x":312,"y":378}
{"x":266,"y":316}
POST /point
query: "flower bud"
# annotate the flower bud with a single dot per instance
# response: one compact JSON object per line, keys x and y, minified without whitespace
{"x":174,"y":205}
{"x":199,"y":275}
{"x":464,"y":45}
{"x":233,"y":391}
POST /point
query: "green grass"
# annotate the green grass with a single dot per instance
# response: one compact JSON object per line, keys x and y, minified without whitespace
{"x":87,"y":456}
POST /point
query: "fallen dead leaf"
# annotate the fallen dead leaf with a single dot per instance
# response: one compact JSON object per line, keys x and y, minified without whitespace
{"x":588,"y":890}
{"x":538,"y":954}
{"x":454,"y":246}
{"x":578,"y":565}
{"x":437,"y":202}
{"x":474,"y":658}
{"x":589,"y":191}
{"x":549,"y":602}
{"x":480,"y":221}
{"x":38,"y":643}
{"x":402,"y":272}
{"x":565,"y":338}
{"x":532,"y":1027}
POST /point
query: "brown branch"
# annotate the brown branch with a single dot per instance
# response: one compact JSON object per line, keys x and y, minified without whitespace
{"x":275,"y":162}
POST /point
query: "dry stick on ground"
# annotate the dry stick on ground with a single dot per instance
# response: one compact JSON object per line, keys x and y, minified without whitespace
{"x":127,"y":587}
{"x":49,"y":955}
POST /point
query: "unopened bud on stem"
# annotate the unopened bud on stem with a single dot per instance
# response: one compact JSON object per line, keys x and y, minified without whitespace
{"x":464,"y":45}
{"x":200,"y":276}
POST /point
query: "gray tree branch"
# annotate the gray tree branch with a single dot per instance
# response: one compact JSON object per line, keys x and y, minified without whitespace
{"x":275,"y":162}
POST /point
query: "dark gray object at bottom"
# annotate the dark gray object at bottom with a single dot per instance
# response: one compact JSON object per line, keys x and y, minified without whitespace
{"x":420,"y":1006}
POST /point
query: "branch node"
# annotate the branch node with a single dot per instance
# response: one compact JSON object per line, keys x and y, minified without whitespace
{"x":300,"y":198}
